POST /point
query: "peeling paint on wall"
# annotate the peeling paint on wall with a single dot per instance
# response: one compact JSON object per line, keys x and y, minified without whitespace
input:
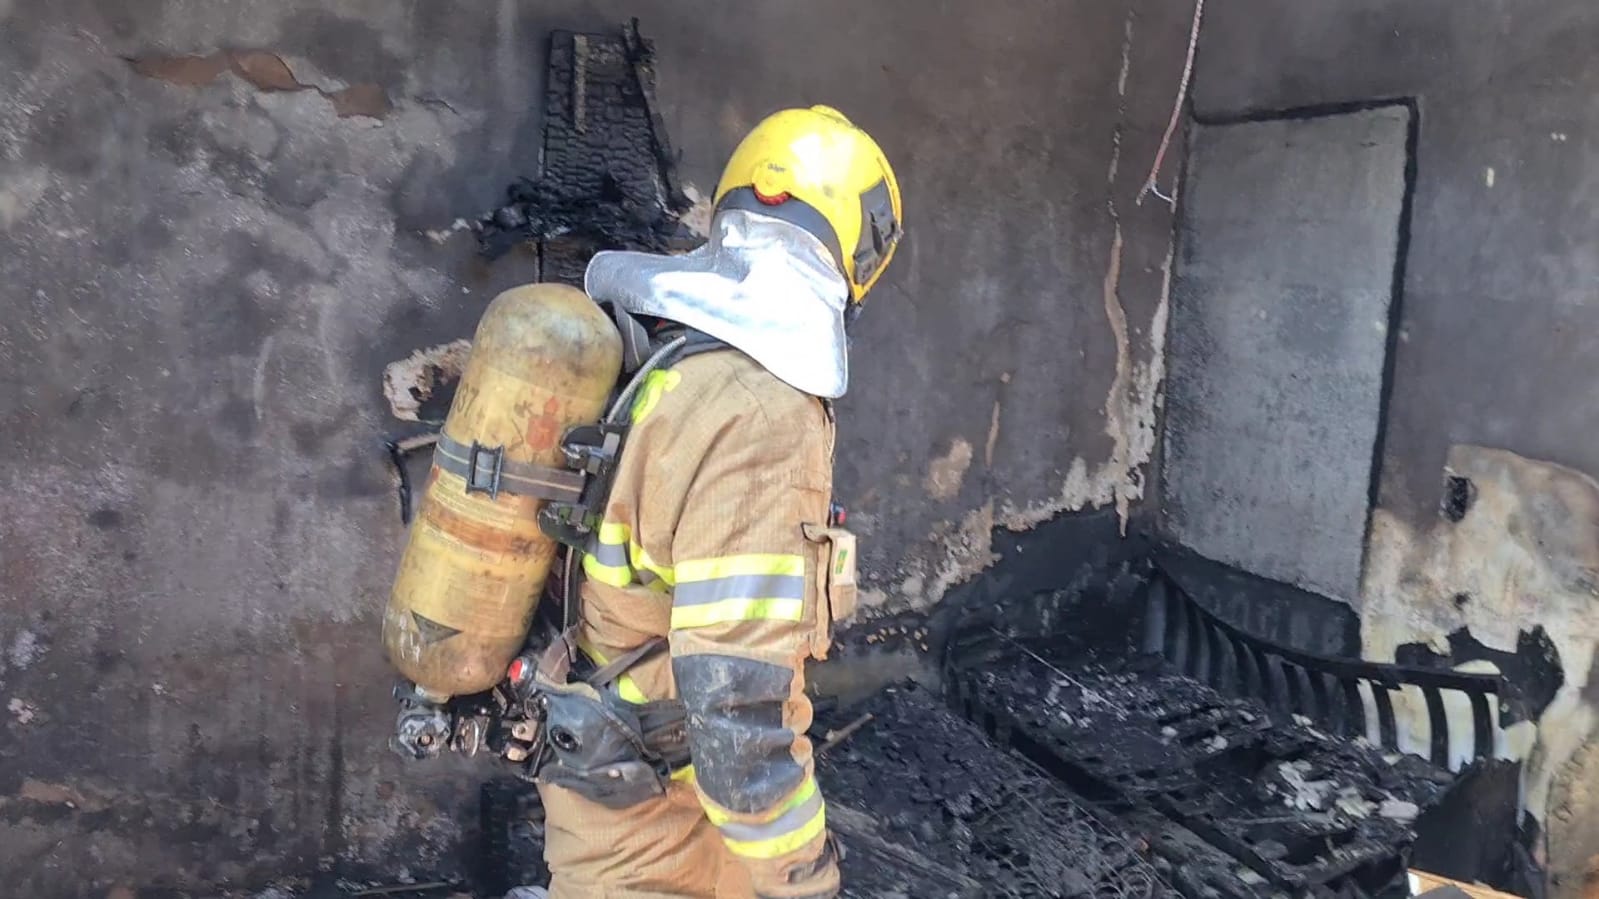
{"x":1131,"y":411}
{"x":266,"y":71}
{"x":414,"y":384}
{"x":23,"y":711}
{"x":26,"y":649}
{"x":947,"y":472}
{"x":697,"y":218}
{"x":1523,"y":553}
{"x":1131,"y":407}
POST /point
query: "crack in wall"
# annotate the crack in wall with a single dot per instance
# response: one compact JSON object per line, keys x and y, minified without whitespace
{"x":1115,"y":312}
{"x":267,"y":72}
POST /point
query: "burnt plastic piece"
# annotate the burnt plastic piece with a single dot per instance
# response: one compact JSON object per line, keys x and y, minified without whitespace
{"x":1458,"y":495}
{"x":608,"y":179}
{"x":1532,"y":675}
{"x":1322,"y":688}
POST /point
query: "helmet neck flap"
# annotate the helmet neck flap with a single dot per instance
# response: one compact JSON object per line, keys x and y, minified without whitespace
{"x":760,"y":284}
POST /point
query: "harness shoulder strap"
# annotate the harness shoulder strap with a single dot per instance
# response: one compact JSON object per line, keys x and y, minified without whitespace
{"x":594,"y":450}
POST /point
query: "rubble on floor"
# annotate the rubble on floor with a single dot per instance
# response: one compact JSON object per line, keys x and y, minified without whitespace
{"x":926,"y":806}
{"x":1270,"y":803}
{"x":1065,"y":763}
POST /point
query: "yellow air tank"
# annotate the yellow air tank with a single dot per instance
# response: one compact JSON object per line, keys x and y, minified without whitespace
{"x":545,"y":358}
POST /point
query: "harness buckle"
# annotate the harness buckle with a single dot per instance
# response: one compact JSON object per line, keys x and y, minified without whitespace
{"x":593,"y":448}
{"x":496,"y":461}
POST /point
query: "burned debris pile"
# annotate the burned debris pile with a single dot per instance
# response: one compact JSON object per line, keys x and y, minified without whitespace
{"x":1233,"y":798}
{"x":925,"y":805}
{"x":1284,"y":806}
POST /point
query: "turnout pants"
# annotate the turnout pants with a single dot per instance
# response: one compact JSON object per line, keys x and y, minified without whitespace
{"x":663,"y":848}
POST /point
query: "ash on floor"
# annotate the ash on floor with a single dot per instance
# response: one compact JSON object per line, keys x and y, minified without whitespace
{"x":925,"y":806}
{"x":1295,"y":809}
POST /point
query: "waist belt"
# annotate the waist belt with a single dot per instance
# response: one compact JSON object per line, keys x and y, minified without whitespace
{"x":608,"y":751}
{"x":486,"y":470}
{"x":663,"y":723}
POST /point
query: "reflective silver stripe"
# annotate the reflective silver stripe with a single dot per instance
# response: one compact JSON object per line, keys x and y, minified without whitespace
{"x":611,"y":555}
{"x":740,"y":586}
{"x":788,"y":822}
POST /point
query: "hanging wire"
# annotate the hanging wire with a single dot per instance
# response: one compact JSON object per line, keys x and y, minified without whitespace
{"x":1151,"y":184}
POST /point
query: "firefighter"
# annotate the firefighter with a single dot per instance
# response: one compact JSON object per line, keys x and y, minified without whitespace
{"x":715,"y":539}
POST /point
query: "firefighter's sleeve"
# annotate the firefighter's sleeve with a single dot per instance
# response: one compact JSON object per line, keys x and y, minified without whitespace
{"x":744,"y":613}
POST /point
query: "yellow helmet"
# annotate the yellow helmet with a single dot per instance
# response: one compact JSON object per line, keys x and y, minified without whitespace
{"x":815,"y":169}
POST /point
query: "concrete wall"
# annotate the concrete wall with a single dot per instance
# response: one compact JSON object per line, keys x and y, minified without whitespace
{"x":1496,"y":359}
{"x":205,"y":264}
{"x":1277,"y":347}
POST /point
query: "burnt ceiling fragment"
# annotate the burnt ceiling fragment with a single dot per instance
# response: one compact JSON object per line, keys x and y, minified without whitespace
{"x":608,"y":179}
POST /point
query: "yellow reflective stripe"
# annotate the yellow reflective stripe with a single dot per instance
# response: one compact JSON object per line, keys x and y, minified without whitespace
{"x":626,"y":687}
{"x":742,"y":586}
{"x":806,"y":790}
{"x":684,"y":774}
{"x":643,"y":562}
{"x":707,"y":614}
{"x":613,"y":575}
{"x":762,"y":586}
{"x":655,"y":386}
{"x":784,"y":843}
{"x":606,"y":561}
{"x":734,"y":566}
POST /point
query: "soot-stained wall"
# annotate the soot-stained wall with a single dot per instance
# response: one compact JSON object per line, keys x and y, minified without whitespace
{"x":212,"y":240}
{"x":1277,"y":347}
{"x":1496,"y":356}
